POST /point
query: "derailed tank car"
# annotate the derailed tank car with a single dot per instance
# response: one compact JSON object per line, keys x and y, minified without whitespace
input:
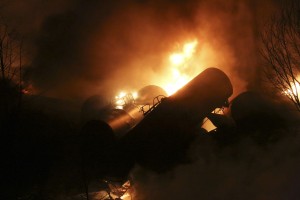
{"x":161,"y":139}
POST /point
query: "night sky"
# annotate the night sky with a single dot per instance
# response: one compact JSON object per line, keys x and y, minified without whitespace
{"x":77,"y":49}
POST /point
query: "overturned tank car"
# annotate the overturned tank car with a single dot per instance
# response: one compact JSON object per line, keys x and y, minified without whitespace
{"x":160,"y":140}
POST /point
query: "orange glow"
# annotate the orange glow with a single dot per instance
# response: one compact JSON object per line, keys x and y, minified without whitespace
{"x":123,"y":98}
{"x":177,"y":58}
{"x":134,"y":95}
{"x":207,"y":124}
{"x":178,"y":64}
{"x":126,"y":196}
{"x":176,"y":84}
{"x":294,"y":91}
{"x":179,"y":70}
{"x":25,"y":91}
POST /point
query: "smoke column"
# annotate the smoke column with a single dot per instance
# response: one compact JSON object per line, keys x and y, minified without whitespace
{"x":84,"y":48}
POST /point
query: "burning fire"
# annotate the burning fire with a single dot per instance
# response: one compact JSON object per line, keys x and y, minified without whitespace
{"x":179,"y":64}
{"x":178,"y":74}
{"x":124,"y":98}
{"x":294,"y":91}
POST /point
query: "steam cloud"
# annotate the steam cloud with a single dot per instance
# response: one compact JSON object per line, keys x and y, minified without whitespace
{"x":84,"y":48}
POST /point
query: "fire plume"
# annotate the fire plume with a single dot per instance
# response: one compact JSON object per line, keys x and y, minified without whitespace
{"x":178,"y":72}
{"x":178,"y":65}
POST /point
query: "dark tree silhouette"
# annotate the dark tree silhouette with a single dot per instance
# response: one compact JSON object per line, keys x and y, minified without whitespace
{"x":10,"y":67}
{"x":281,"y":51}
{"x":10,"y":52}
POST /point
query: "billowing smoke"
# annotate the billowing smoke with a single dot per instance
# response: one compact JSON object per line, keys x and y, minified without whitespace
{"x":245,"y":171}
{"x":85,"y":48}
{"x":259,"y":161}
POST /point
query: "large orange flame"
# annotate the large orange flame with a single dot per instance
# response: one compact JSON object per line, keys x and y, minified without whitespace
{"x":176,"y":77}
{"x":178,"y":65}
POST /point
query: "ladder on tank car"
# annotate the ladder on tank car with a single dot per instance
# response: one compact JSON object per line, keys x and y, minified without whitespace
{"x":156,"y":101}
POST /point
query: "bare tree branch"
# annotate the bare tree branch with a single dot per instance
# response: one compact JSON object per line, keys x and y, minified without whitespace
{"x":9,"y":52}
{"x":281,"y":51}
